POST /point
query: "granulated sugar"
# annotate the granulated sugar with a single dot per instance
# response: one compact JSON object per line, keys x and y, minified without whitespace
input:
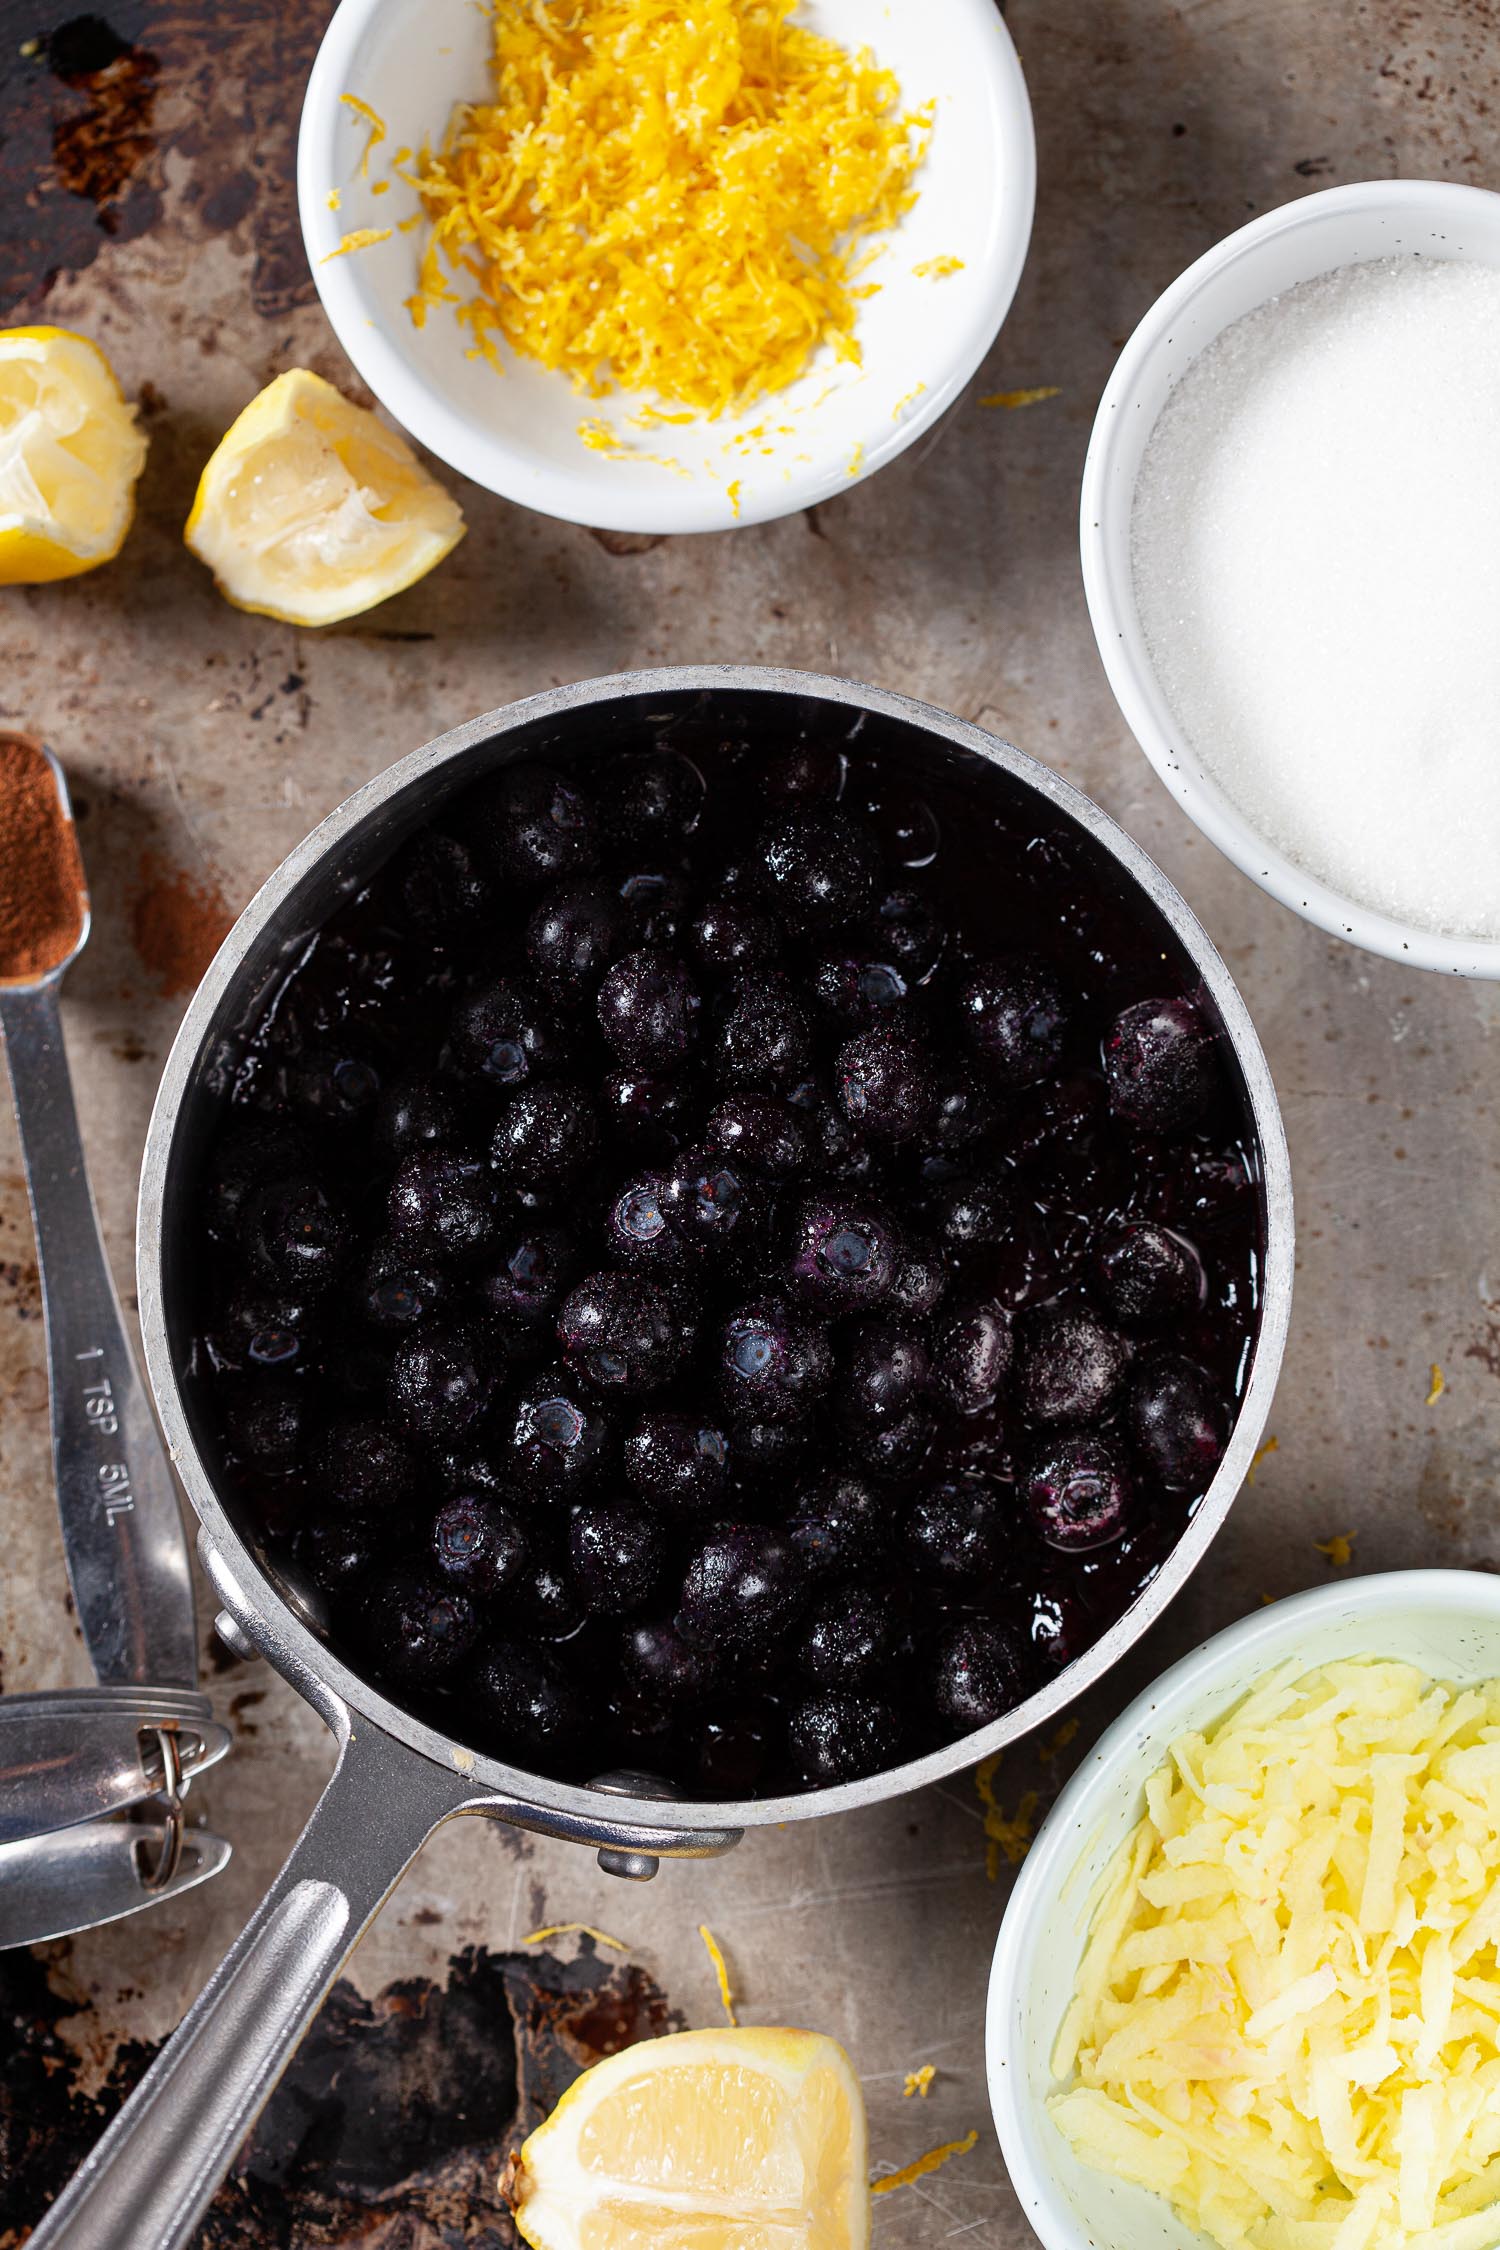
{"x":1316,"y":547}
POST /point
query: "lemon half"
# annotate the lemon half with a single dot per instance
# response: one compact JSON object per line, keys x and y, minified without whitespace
{"x":707,"y":2140}
{"x":311,"y":510}
{"x":70,"y":454}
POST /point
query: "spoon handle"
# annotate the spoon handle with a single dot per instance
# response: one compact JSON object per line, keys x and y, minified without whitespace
{"x":122,"y":1531}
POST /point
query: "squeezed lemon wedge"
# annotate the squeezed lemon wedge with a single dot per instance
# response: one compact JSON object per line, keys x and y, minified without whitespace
{"x":70,"y":454}
{"x":706,"y":2140}
{"x":311,"y":510}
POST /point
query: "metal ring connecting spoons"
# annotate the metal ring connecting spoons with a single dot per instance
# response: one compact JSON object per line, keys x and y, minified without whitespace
{"x":71,"y":1761}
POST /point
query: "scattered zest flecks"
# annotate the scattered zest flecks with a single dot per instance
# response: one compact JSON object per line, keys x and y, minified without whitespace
{"x":362,"y":238}
{"x":1437,"y":1384}
{"x":1010,"y":1833}
{"x":937,"y":269}
{"x":1010,"y":400}
{"x":376,"y":125}
{"x":721,"y":1971}
{"x":919,"y":2081}
{"x":1261,"y":1453}
{"x":1339,"y":1549}
{"x":920,"y":2166}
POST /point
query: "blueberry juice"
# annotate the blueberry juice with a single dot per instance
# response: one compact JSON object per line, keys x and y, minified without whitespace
{"x":734,"y":1255}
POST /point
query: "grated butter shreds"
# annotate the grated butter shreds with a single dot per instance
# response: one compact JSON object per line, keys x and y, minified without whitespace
{"x":1287,"y":2016}
{"x":671,"y":200}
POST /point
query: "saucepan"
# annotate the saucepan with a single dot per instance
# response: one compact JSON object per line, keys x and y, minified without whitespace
{"x":397,"y":1778}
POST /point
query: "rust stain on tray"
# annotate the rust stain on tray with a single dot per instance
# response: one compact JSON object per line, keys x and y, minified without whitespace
{"x":395,"y":2117}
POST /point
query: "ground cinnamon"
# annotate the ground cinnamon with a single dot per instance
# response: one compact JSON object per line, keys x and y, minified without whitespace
{"x":42,"y":885}
{"x":178,"y":925}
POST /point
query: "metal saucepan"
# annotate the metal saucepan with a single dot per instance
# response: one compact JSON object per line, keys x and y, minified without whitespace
{"x":397,"y":1779}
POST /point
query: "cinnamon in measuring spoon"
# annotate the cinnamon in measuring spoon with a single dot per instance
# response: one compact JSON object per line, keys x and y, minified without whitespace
{"x":42,"y":885}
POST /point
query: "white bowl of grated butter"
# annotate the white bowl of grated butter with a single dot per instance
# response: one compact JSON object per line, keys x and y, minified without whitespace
{"x":525,"y":433}
{"x":1444,"y":1622}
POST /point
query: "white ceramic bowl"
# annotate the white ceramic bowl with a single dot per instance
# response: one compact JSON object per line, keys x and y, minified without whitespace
{"x":518,"y":433}
{"x":1445,"y":1621}
{"x":1341,"y":226}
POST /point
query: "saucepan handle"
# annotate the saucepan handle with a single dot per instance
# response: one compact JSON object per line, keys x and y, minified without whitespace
{"x":148,"y":2181}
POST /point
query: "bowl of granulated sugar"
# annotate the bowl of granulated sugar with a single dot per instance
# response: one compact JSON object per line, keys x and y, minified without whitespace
{"x":1291,"y":552}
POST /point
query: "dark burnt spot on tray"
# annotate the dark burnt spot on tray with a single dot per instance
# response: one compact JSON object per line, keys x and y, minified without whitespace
{"x":92,"y":105}
{"x":397,"y":2113}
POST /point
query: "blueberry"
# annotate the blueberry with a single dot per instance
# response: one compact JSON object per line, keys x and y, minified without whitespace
{"x":894,"y":1447}
{"x":847,"y":1636}
{"x":341,"y":1551}
{"x":534,"y":825}
{"x":711,"y":1199}
{"x":266,"y":1424}
{"x":972,"y":1354}
{"x":909,"y":830}
{"x":477,"y":1545}
{"x":652,"y":1113}
{"x":837,"y":1736}
{"x":1070,"y":1368}
{"x":885,"y":1084}
{"x":525,"y":1697}
{"x":1015,"y":1019}
{"x":331,"y":1087}
{"x":656,"y":1660}
{"x":544,"y":1603}
{"x":961,"y":1115}
{"x":968,"y":1214}
{"x":979,"y":1674}
{"x":533,"y":1272}
{"x":1059,"y":1628}
{"x":841,"y":1525}
{"x":399,"y":1288}
{"x":414,"y":1113}
{"x":442,"y":1381}
{"x":441,"y":1205}
{"x":816,"y":869}
{"x":546,"y":1137}
{"x":883,"y":1370}
{"x":658,"y":909}
{"x":957,"y":1532}
{"x":296,"y":1234}
{"x":773,"y":1362}
{"x":841,"y":1154}
{"x":844,"y":1254}
{"x":920,"y":1281}
{"x":1078,"y":1494}
{"x":504,"y":1035}
{"x":264,"y":1331}
{"x":248,"y":1155}
{"x":1147,"y":1275}
{"x":764,"y":1135}
{"x":365,"y":1467}
{"x":740,"y":1591}
{"x":418,"y":1629}
{"x":731,"y":935}
{"x":617,"y":1558}
{"x":558,"y":1438}
{"x":442,"y":890}
{"x":621,"y":1332}
{"x":572,"y":936}
{"x":1161,"y":1058}
{"x":1060,"y":1120}
{"x":765,"y":1454}
{"x":1178,"y":1421}
{"x":678,"y":1462}
{"x":653,"y":797}
{"x":761,"y":1038}
{"x":909,"y":935}
{"x":858,"y":989}
{"x":648,"y":1010}
{"x":808,"y":772}
{"x":1209,"y":1186}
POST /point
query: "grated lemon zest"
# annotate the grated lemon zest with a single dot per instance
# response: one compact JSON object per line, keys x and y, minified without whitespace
{"x":1010,"y":400}
{"x":721,"y":1971}
{"x":937,"y":269}
{"x":1064,"y":1735}
{"x":920,"y":2166}
{"x":363,"y":238}
{"x":1437,"y":1384}
{"x":919,"y":2081}
{"x":910,"y":399}
{"x":1261,"y":1453}
{"x":566,"y":1929}
{"x":376,"y":124}
{"x":674,"y":201}
{"x":734,"y":494}
{"x":1339,"y":1549}
{"x":334,"y":199}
